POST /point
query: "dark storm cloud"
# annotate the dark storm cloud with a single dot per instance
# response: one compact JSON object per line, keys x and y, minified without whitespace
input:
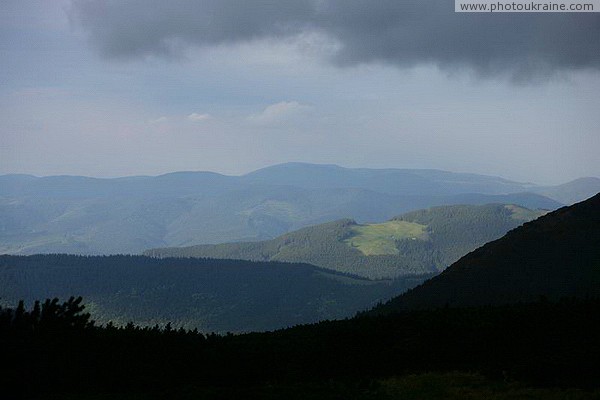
{"x":401,"y":32}
{"x":141,"y":27}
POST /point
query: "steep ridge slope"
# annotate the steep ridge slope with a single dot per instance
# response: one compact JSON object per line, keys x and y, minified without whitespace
{"x":557,"y":255}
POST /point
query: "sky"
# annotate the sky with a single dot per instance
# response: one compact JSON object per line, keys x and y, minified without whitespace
{"x":144,"y":87}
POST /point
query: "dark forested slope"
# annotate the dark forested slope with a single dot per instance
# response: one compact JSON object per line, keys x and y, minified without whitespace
{"x":52,"y":351}
{"x":555,"y":256}
{"x":211,"y":295}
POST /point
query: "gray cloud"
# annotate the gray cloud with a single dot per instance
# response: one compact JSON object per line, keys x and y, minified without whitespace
{"x":403,"y":33}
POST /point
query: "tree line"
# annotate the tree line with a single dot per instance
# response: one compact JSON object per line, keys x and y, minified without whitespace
{"x":54,"y":348}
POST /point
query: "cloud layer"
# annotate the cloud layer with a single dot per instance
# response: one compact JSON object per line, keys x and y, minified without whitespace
{"x":403,"y":33}
{"x":198,"y":117}
{"x":284,"y":111}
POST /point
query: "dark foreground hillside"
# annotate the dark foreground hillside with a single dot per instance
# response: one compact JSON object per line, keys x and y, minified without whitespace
{"x":555,"y":256}
{"x":211,"y":295}
{"x":543,"y":350}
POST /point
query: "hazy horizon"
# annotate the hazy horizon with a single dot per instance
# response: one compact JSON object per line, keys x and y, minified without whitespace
{"x":109,"y":89}
{"x":290,"y":162}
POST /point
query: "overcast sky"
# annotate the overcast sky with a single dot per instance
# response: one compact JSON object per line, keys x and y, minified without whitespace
{"x":113,"y":88}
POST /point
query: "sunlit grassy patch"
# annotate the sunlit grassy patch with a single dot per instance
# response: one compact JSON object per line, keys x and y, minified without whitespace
{"x":379,"y":239}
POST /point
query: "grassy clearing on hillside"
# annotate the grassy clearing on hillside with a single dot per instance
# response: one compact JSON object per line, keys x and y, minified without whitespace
{"x":379,"y":239}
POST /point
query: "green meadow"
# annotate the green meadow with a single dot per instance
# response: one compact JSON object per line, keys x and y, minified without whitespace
{"x":380,"y":239}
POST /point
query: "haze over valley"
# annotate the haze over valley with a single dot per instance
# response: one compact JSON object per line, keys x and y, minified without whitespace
{"x":79,"y":215}
{"x":299,"y":199}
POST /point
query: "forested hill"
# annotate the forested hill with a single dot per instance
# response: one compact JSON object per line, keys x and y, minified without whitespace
{"x":424,"y":241}
{"x":554,"y":256}
{"x":82,"y":215}
{"x":211,"y":295}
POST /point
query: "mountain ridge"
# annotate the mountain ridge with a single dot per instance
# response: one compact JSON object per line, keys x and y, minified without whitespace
{"x":283,"y":175}
{"x":557,"y":255}
{"x":82,"y":215}
{"x":423,"y":241}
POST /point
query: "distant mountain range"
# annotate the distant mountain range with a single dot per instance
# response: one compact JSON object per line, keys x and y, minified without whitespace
{"x":555,"y":256}
{"x":80,"y":215}
{"x":418,"y":242}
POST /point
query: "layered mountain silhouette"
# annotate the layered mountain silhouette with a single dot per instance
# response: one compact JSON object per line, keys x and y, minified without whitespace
{"x":424,"y":241}
{"x":80,"y":215}
{"x":555,"y":256}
